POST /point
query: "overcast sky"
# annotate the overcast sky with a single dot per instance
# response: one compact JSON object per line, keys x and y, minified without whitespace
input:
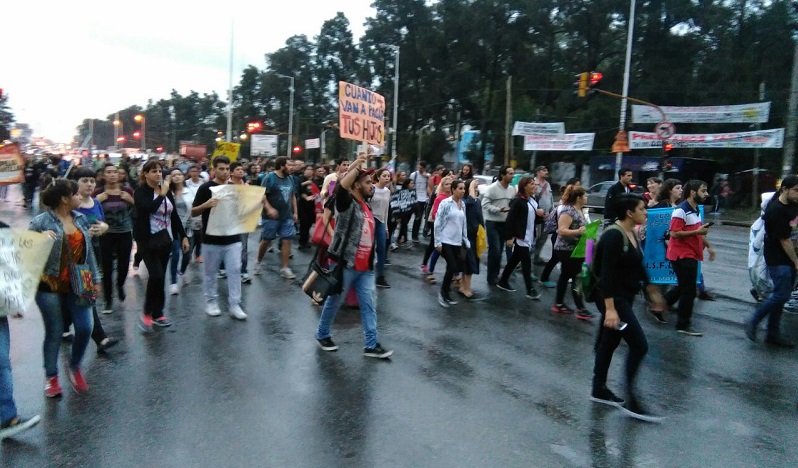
{"x":65,"y":61}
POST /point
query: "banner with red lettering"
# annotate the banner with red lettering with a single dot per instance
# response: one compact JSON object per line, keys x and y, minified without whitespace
{"x":11,"y":164}
{"x":361,"y":114}
{"x":757,"y":139}
{"x":566,"y":142}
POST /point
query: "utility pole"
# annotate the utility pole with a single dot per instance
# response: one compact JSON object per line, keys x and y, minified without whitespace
{"x":755,"y":182}
{"x":395,"y":106}
{"x":507,"y":117}
{"x":792,"y":116}
{"x":629,"y":41}
{"x":230,"y":87}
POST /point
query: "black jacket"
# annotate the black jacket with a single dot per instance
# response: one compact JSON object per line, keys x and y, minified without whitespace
{"x":517,"y":217}
{"x":609,"y":210}
{"x":147,"y":205}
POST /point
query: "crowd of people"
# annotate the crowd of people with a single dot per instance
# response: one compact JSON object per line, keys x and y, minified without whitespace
{"x":356,"y":216}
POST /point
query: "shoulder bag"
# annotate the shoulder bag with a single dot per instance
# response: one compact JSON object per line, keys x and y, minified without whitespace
{"x":320,"y":282}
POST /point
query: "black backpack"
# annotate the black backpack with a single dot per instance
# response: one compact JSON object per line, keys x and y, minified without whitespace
{"x":590,"y":275}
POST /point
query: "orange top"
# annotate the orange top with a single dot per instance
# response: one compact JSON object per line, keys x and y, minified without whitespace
{"x":61,"y":284}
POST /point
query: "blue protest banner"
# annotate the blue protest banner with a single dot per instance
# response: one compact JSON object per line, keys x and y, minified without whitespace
{"x":659,"y":268}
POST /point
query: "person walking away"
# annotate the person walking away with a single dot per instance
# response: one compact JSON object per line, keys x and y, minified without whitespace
{"x":495,"y":206}
{"x":781,"y":238}
{"x":621,"y":272}
{"x":281,"y":216}
{"x":56,"y":295}
{"x":157,"y":225}
{"x":356,"y":252}
{"x":451,"y":238}
{"x":380,"y":203}
{"x":570,"y":228}
{"x":420,"y":179}
{"x":545,"y":200}
{"x":520,"y":230}
{"x":685,"y":250}
{"x":218,"y":249}
{"x":622,"y":186}
{"x":11,"y":423}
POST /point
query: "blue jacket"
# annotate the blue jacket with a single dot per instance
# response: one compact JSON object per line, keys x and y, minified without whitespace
{"x":48,"y":221}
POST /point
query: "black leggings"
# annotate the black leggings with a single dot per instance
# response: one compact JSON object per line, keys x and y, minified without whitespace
{"x":608,"y":340}
{"x":520,"y":255}
{"x":119,"y":245}
{"x":571,"y":267}
{"x":156,"y":258}
{"x":454,"y":264}
{"x":430,"y":248}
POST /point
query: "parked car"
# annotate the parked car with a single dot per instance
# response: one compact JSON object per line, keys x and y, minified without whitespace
{"x":597,"y":194}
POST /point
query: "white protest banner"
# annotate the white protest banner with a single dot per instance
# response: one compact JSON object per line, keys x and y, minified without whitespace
{"x":313,"y":143}
{"x":758,"y":112}
{"x":756,"y":139}
{"x":567,"y":142}
{"x":22,"y":257}
{"x":238,"y":210}
{"x":361,"y":114}
{"x":538,"y":128}
{"x":263,"y":145}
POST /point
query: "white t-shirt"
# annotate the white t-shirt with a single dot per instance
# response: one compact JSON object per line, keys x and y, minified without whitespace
{"x":529,"y":236}
{"x":421,"y":186}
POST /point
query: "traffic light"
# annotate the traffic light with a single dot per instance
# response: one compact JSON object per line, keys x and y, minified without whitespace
{"x":581,"y":84}
{"x":594,"y":79}
{"x":137,"y":134}
{"x":297,"y":149}
{"x":253,"y":127}
{"x":667,"y":146}
{"x":159,"y":149}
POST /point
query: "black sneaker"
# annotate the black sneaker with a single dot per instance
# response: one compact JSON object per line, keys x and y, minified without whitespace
{"x":381,"y":283}
{"x":606,"y":397}
{"x":505,"y":286}
{"x":779,"y":342}
{"x":121,"y":293}
{"x":658,"y":316}
{"x":689,"y":332}
{"x":377,"y":352}
{"x":533,"y":294}
{"x":162,"y":322}
{"x":17,"y":425}
{"x":632,"y":408}
{"x":327,"y":344}
{"x":443,"y":301}
{"x":105,"y":344}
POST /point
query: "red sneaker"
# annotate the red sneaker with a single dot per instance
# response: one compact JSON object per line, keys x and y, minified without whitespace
{"x":77,"y":381}
{"x":198,"y":259}
{"x":562,"y":309}
{"x":52,"y":388}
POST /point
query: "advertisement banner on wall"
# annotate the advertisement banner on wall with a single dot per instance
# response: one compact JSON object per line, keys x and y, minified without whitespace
{"x":567,"y":142}
{"x":263,"y":145}
{"x":361,"y":114}
{"x":538,"y":128}
{"x":756,"y":139}
{"x":758,"y":112}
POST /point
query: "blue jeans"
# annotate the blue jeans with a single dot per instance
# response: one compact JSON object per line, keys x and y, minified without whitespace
{"x":8,"y":410}
{"x":363,"y":282}
{"x":496,"y":240}
{"x":783,"y":277}
{"x":174,"y":259}
{"x":53,"y":307}
{"x":380,"y":242}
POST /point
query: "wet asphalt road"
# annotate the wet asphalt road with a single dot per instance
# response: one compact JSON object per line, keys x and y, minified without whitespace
{"x":502,"y":382}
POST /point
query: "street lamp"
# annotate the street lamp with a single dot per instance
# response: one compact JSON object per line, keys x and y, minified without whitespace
{"x":395,"y":48}
{"x":290,"y":117}
{"x":141,"y":119}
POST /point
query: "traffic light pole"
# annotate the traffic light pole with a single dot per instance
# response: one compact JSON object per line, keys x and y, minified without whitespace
{"x":792,"y":119}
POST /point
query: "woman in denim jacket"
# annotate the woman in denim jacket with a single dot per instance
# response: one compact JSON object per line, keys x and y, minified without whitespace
{"x":55,"y":297}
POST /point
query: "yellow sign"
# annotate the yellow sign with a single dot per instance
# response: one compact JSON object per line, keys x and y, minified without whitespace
{"x":21,"y":265}
{"x":224,"y":148}
{"x":361,"y":114}
{"x":238,"y":210}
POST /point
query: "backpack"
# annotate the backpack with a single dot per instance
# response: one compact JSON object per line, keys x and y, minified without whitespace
{"x":550,"y":225}
{"x":589,"y":278}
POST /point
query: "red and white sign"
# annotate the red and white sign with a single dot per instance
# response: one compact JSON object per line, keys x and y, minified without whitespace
{"x":757,"y":139}
{"x":665,"y":130}
{"x":567,"y":142}
{"x":313,"y":143}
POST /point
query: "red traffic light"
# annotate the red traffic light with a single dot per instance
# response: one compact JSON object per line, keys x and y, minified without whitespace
{"x":297,"y":149}
{"x":667,"y":146}
{"x":254,"y":127}
{"x":159,"y":149}
{"x":121,"y":139}
{"x":136,"y":134}
{"x":595,"y":78}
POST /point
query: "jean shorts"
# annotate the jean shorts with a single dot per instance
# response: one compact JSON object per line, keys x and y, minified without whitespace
{"x":274,"y":228}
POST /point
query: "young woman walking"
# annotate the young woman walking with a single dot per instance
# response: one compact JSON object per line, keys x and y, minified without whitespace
{"x":184,"y":198}
{"x":451,"y":238}
{"x":570,"y":228}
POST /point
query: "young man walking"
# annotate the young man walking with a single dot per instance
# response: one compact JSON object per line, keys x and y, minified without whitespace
{"x":218,"y":249}
{"x":420,"y":179}
{"x":356,"y":251}
{"x":685,"y":250}
{"x":622,"y":186}
{"x":281,"y":216}
{"x":495,"y":206}
{"x":781,"y":232}
{"x":237,"y":175}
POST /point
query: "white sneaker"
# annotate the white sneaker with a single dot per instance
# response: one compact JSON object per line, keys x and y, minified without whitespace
{"x":212,"y":309}
{"x":236,"y":312}
{"x":245,"y":278}
{"x":287,"y":273}
{"x":222,"y":274}
{"x":256,"y":269}
{"x":174,"y":289}
{"x":108,"y":311}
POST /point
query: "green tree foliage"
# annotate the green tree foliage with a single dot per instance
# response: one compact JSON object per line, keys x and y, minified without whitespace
{"x":456,"y":56}
{"x":6,"y":118}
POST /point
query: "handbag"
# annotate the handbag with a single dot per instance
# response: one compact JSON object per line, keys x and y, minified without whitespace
{"x":81,"y":281}
{"x":321,"y":236}
{"x":319,"y":282}
{"x":482,"y":241}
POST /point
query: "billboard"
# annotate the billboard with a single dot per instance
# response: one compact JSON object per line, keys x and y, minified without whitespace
{"x":263,"y":145}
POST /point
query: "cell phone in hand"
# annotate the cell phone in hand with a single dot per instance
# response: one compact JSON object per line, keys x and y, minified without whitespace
{"x":622,"y":326}
{"x":709,"y":224}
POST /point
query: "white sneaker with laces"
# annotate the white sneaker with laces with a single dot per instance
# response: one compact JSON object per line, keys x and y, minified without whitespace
{"x":287,"y":273}
{"x":212,"y":309}
{"x":236,"y":312}
{"x":174,"y":289}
